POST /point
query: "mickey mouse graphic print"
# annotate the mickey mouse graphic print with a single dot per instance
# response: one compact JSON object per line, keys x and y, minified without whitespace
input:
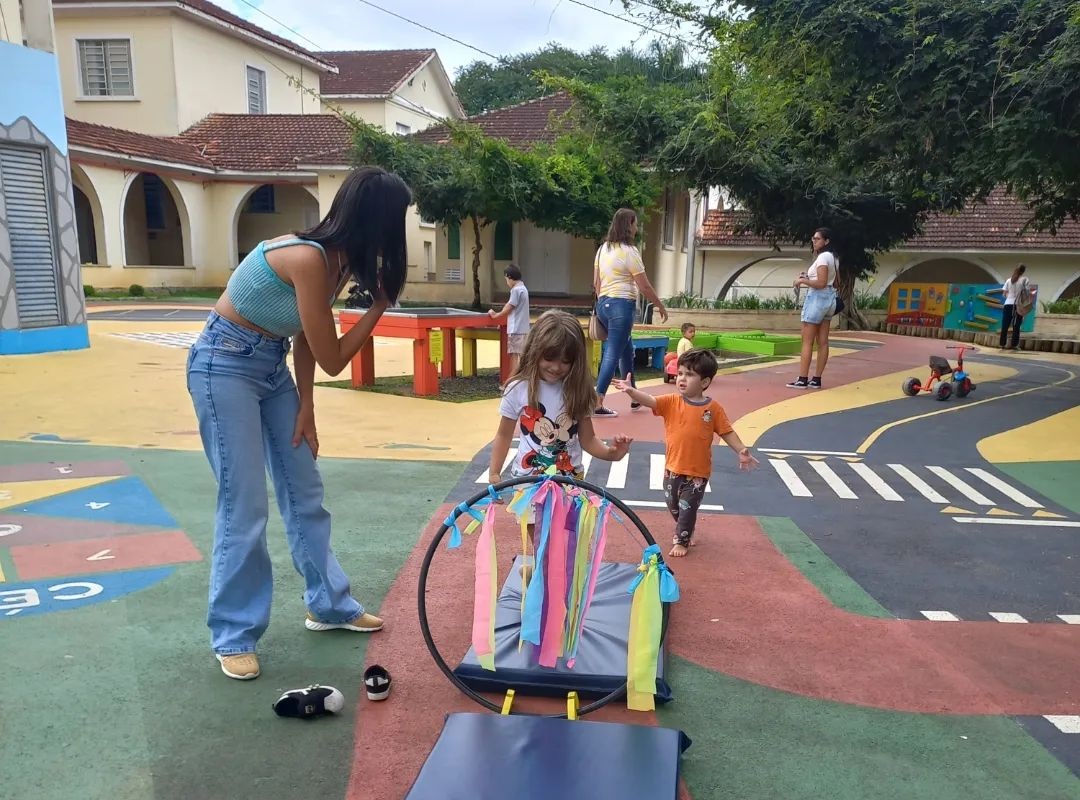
{"x":547,"y":436}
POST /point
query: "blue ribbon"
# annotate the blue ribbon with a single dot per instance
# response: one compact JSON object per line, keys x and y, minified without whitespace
{"x":473,"y":511}
{"x":669,"y":587}
{"x":532,"y":614}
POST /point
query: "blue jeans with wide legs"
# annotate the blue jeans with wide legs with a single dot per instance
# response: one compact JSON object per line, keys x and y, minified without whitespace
{"x":247,"y":404}
{"x":617,"y":315}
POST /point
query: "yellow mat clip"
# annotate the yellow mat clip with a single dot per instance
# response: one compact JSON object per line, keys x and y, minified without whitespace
{"x":507,"y":702}
{"x":572,"y":706}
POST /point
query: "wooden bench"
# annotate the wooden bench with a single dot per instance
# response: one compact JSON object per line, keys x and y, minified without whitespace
{"x":468,"y":337}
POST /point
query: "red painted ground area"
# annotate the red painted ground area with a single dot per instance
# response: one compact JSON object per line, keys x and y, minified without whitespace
{"x":35,"y":529}
{"x":776,"y":629}
{"x":103,"y":555}
{"x":394,"y":737}
{"x":745,"y":392}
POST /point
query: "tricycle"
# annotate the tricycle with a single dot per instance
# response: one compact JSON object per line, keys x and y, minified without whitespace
{"x":944,"y":381}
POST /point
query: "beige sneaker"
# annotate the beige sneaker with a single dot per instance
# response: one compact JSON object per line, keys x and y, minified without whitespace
{"x":361,"y":623}
{"x":241,"y":666}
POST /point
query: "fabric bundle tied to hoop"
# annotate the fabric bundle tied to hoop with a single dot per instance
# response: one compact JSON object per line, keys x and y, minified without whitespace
{"x":652,"y":586}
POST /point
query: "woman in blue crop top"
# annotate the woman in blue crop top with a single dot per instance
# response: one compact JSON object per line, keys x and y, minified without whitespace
{"x":254,"y":417}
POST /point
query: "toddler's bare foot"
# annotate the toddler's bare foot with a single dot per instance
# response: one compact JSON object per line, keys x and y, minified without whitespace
{"x":678,"y":550}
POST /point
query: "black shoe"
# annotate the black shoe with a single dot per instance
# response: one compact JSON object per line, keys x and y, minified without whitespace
{"x":801,"y":383}
{"x":815,"y":383}
{"x":314,"y":701}
{"x":604,"y":411}
{"x":377,"y":682}
{"x":635,"y":406}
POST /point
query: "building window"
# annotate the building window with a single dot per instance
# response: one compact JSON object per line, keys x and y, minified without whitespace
{"x":256,"y":91}
{"x":504,"y":241}
{"x":153,"y":195}
{"x":669,"y":219}
{"x":401,"y":129}
{"x":262,"y":201}
{"x":105,"y":67}
{"x":453,"y":241}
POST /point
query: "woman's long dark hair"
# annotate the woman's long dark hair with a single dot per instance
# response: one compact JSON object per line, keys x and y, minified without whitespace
{"x":367,"y":221}
{"x":1020,"y":270}
{"x":826,"y":234}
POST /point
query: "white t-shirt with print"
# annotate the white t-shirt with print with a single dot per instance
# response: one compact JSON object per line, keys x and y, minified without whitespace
{"x":827,"y":260}
{"x":546,"y":434}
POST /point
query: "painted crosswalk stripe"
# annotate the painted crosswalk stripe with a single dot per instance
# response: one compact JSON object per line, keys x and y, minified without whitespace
{"x":1007,"y":490}
{"x":940,"y":616}
{"x":1006,"y":616}
{"x":876,"y":483}
{"x":617,"y":475}
{"x":1066,"y":723}
{"x":967,"y":491}
{"x":808,"y":452}
{"x":791,"y":480}
{"x":1070,"y":619}
{"x":484,"y":475}
{"x":1028,"y":523}
{"x":831,"y":478}
{"x":918,"y":484}
{"x":661,"y":504}
{"x":586,"y":462}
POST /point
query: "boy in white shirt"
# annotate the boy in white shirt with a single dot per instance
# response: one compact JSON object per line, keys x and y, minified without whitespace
{"x":516,"y":312}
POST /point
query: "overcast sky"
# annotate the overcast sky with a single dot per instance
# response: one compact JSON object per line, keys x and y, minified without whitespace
{"x":501,"y":27}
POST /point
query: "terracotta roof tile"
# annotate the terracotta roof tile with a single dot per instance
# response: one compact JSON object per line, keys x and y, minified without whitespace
{"x":139,"y":145}
{"x":993,"y":225}
{"x":218,"y":13}
{"x":377,"y":72}
{"x":519,"y":125}
{"x":241,"y":142}
{"x":273,"y":142}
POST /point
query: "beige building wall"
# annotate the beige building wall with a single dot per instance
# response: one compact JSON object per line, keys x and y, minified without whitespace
{"x":373,"y":112}
{"x":153,"y":107}
{"x":211,"y":75}
{"x":294,"y":208}
{"x":11,"y":30}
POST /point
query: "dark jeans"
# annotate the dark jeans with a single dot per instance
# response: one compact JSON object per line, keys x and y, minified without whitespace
{"x":617,"y":315}
{"x":1009,"y":317}
{"x":684,"y":495}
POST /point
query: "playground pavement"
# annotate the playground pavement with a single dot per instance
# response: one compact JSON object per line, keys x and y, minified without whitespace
{"x":800,"y":662}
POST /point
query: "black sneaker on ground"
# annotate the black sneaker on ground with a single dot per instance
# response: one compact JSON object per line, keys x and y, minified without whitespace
{"x":801,"y":383}
{"x":815,"y":383}
{"x":314,"y":701}
{"x":604,"y":411}
{"x":635,"y":406}
{"x":377,"y":682}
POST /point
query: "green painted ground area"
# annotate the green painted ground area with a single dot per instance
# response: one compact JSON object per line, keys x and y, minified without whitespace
{"x":124,"y":700}
{"x":1055,"y":479}
{"x":753,"y":743}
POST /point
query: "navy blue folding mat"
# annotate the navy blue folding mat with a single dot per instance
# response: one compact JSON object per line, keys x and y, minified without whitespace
{"x":600,"y":667}
{"x":483,"y":756}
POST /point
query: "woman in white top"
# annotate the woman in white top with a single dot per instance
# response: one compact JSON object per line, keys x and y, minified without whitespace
{"x":1012,"y":312}
{"x":618,"y":276}
{"x":818,"y":310}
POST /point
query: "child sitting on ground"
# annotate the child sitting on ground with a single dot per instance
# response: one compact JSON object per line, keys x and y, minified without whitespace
{"x":549,"y":400}
{"x":690,"y":420}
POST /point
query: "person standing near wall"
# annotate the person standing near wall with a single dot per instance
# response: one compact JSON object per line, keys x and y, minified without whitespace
{"x":1017,"y":303}
{"x":818,"y":309}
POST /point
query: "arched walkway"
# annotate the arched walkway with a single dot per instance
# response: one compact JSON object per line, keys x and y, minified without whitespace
{"x":944,"y":270}
{"x":89,"y":222}
{"x":1070,"y":289}
{"x":156,"y":228}
{"x":270,"y":210}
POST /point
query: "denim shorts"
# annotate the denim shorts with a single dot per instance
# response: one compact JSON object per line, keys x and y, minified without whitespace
{"x":820,"y":305}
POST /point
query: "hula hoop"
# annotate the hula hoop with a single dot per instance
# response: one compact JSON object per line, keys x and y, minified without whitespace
{"x":421,"y":595}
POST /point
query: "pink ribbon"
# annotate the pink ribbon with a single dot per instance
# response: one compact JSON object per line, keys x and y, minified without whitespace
{"x":484,"y":593}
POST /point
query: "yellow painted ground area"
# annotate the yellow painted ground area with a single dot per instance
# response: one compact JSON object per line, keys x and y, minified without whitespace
{"x":134,"y":394}
{"x":843,"y":398}
{"x":1055,"y":438}
{"x":19,"y":493}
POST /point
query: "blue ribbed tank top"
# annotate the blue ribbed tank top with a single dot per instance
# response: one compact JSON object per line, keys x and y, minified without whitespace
{"x":261,"y":297}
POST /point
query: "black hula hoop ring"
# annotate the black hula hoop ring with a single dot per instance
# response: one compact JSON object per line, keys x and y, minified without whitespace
{"x":421,"y":595}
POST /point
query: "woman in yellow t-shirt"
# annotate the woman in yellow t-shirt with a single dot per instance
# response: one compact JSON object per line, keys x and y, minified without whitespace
{"x":618,"y":276}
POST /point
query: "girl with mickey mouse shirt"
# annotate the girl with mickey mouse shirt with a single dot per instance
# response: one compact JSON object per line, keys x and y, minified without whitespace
{"x":548,"y":402}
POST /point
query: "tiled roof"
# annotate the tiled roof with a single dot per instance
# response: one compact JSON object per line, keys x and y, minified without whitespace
{"x":266,"y":142}
{"x":210,"y":10}
{"x":138,"y":145}
{"x":519,"y":125}
{"x":241,"y":142}
{"x":378,"y":72}
{"x":993,"y":225}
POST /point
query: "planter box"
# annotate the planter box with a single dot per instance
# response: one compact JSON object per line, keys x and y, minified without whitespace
{"x":736,"y":320}
{"x":760,"y":343}
{"x":1057,"y":326}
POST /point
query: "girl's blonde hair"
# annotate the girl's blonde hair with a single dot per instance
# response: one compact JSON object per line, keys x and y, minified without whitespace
{"x":557,"y":335}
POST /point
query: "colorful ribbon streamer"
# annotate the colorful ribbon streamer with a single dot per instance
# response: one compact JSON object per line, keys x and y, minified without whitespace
{"x":650,"y":589}
{"x":485,"y":593}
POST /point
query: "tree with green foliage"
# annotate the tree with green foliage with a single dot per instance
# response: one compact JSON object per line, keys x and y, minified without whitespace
{"x":573,"y":185}
{"x":482,"y":86}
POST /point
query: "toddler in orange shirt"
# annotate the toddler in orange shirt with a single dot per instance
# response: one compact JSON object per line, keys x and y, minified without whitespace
{"x":690,"y":421}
